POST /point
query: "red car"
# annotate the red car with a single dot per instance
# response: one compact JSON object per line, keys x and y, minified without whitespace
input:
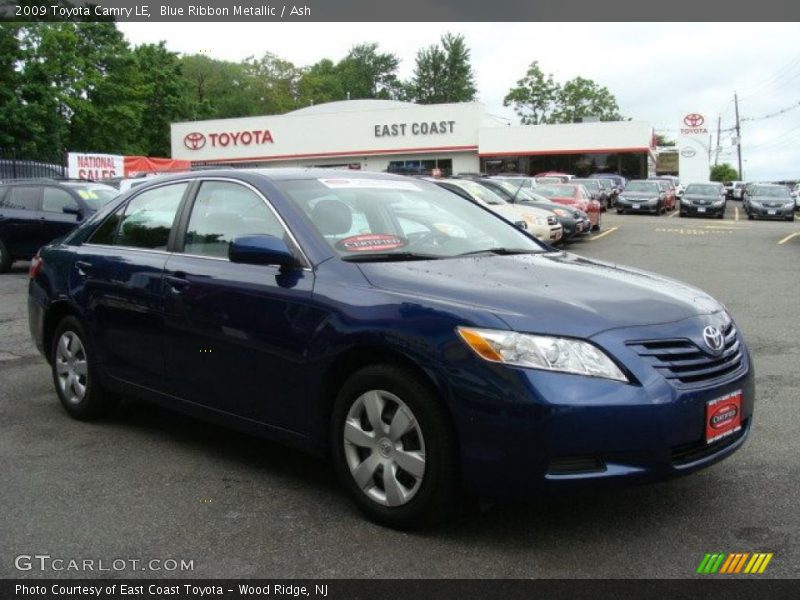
{"x":573,"y":195}
{"x":668,"y":187}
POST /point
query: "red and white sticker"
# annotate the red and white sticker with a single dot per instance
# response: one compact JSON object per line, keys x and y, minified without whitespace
{"x":723,"y":416}
{"x":372,"y":242}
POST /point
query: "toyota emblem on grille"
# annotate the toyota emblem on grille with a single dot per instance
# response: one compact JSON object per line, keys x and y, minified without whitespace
{"x":713,"y":338}
{"x":194,"y":140}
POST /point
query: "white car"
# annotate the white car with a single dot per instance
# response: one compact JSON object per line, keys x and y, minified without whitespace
{"x":541,"y":223}
{"x":796,"y":196}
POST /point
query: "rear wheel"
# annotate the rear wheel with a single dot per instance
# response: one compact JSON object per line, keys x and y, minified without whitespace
{"x":393,"y":447}
{"x":74,"y":372}
{"x":5,"y":258}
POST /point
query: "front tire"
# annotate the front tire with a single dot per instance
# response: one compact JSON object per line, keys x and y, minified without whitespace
{"x":75,"y":373}
{"x":5,"y":258}
{"x":393,"y":447}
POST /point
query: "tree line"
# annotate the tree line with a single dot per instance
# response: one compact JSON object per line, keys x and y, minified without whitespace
{"x":83,"y":87}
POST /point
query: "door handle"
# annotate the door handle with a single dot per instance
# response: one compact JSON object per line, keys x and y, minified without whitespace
{"x":177,"y":285}
{"x":83,"y":267}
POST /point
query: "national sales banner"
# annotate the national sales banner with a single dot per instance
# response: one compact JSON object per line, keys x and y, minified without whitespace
{"x":94,"y":166}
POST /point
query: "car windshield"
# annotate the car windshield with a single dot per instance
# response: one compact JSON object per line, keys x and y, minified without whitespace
{"x":392,"y":219}
{"x":95,"y":196}
{"x":556,"y":191}
{"x":590,"y":184}
{"x":649,"y":187}
{"x":696,"y":189}
{"x":771,"y":192}
{"x":478,"y":191}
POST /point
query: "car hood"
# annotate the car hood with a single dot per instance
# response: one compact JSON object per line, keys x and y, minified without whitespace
{"x":771,"y":199}
{"x":555,"y":292}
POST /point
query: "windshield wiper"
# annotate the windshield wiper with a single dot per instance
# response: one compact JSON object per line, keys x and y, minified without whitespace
{"x":500,"y":251}
{"x":390,"y":256}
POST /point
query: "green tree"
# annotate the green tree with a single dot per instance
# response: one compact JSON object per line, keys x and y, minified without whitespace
{"x":579,"y":98}
{"x":321,"y":82}
{"x":217,"y":89}
{"x":274,"y":84}
{"x":367,"y":73}
{"x":165,"y":96}
{"x":11,"y":125}
{"x":443,"y":73}
{"x":723,"y":172}
{"x":664,"y":141}
{"x":534,"y":97}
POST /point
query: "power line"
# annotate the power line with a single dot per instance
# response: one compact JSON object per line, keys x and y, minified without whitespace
{"x":774,"y":114}
{"x":771,"y":80}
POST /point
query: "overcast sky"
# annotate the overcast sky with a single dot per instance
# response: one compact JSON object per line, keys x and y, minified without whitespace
{"x":658,"y":72}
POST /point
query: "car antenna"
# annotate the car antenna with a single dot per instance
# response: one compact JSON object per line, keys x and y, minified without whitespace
{"x":516,"y":193}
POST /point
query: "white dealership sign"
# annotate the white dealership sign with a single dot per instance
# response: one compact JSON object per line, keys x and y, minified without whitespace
{"x":95,"y":166}
{"x":693,"y":148}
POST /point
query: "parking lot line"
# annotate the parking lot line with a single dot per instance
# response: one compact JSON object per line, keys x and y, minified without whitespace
{"x":736,"y":212}
{"x":605,"y":233}
{"x":788,"y":237}
{"x":673,"y":213}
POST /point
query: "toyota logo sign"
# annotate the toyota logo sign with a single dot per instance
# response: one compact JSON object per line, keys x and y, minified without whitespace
{"x":194,"y":140}
{"x":688,"y":152}
{"x":694,"y":120}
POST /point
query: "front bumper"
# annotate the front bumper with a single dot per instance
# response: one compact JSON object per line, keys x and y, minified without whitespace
{"x":643,"y":207}
{"x":767,"y":212}
{"x":560,"y":431}
{"x":707,"y":210}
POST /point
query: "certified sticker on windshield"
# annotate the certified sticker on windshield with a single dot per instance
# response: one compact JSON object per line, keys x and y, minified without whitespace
{"x":337,"y":183}
{"x":373,"y":242}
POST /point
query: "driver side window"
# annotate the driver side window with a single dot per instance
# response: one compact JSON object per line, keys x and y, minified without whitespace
{"x":223,"y":211}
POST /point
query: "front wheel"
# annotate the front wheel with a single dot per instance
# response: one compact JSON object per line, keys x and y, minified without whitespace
{"x":5,"y":258}
{"x":393,"y":447}
{"x":74,"y":372}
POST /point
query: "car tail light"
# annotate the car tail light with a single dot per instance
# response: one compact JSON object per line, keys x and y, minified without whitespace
{"x":36,"y":265}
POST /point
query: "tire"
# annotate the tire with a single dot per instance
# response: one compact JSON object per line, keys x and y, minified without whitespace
{"x":620,"y":211}
{"x":74,"y":368}
{"x":749,"y":217}
{"x":5,"y":258}
{"x":681,"y":214}
{"x":422,"y":494}
{"x":790,"y":218}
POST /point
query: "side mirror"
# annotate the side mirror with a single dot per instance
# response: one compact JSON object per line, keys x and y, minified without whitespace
{"x":261,"y":250}
{"x":521,"y":225}
{"x":73,"y":210}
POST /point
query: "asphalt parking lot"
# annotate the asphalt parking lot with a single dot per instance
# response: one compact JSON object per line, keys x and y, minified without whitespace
{"x":148,"y":484}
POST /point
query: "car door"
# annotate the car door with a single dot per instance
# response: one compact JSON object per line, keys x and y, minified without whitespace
{"x":55,"y":221}
{"x":236,"y":334}
{"x":116,"y":278}
{"x":20,"y":226}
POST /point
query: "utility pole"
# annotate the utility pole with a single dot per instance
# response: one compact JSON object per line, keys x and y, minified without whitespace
{"x":738,"y":135}
{"x":716,"y":153}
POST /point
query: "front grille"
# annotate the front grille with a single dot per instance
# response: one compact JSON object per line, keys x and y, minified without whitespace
{"x":681,"y":360}
{"x":684,"y":454}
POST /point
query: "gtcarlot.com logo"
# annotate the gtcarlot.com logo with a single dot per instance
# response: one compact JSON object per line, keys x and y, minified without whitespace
{"x":45,"y":562}
{"x":749,"y":563}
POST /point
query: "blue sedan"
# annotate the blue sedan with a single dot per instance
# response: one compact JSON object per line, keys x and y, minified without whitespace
{"x":428,"y":346}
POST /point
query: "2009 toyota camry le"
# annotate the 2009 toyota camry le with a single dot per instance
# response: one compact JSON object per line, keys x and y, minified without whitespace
{"x":430,"y":347}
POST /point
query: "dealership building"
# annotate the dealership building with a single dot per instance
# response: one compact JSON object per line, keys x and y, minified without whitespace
{"x":401,"y":137}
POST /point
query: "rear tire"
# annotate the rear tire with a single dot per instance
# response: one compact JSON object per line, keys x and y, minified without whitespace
{"x":393,"y":447}
{"x":5,"y":258}
{"x":75,"y":373}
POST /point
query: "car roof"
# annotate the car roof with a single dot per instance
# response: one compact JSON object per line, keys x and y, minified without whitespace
{"x":285,"y":174}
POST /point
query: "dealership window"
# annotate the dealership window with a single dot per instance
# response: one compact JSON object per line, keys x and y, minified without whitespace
{"x":421,"y":167}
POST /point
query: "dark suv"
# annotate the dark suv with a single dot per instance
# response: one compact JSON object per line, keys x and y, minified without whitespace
{"x":36,"y":212}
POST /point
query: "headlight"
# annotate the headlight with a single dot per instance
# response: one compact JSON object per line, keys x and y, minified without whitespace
{"x":719,"y":203}
{"x":541,"y":352}
{"x":754,"y":203}
{"x":685,"y":201}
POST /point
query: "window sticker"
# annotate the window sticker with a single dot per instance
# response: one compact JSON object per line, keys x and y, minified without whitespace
{"x":373,"y":242}
{"x":378,"y":184}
